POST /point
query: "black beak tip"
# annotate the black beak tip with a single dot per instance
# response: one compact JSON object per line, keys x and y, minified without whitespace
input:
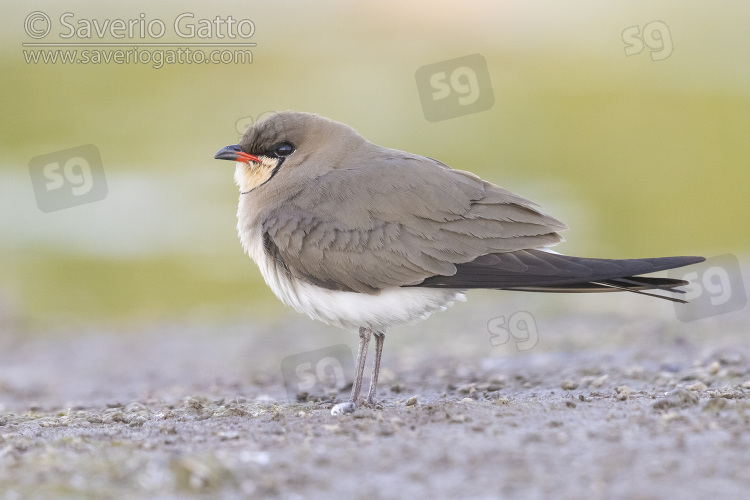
{"x":228,"y":153}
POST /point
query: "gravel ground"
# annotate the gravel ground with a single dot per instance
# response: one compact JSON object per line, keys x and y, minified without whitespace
{"x":617,"y":400}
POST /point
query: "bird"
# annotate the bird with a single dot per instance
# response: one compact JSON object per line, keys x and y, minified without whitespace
{"x":365,"y":237}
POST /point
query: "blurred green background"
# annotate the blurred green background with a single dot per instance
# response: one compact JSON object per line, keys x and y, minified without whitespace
{"x":640,"y":157}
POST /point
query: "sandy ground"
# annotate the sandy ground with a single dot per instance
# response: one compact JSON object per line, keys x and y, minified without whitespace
{"x":617,"y":399}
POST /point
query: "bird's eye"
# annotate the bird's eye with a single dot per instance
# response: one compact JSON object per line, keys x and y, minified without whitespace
{"x":283,"y":149}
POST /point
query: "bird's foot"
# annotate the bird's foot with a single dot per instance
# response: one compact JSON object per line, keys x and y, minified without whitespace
{"x":344,"y":408}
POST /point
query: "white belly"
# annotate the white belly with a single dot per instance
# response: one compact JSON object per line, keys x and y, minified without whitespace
{"x":349,"y":309}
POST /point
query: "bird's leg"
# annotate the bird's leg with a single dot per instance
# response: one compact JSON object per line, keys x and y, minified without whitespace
{"x":364,"y":342}
{"x":379,"y":340}
{"x":351,"y":405}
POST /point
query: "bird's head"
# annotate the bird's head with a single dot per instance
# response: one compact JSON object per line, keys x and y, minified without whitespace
{"x":291,"y":145}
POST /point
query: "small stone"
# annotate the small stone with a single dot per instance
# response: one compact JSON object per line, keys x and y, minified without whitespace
{"x":458,"y":419}
{"x":714,"y":368}
{"x":501,"y":401}
{"x":697,"y":387}
{"x":412,"y":401}
{"x":746,"y":384}
{"x":670,"y":416}
{"x":232,"y":412}
{"x":569,"y":385}
{"x":193,"y":404}
{"x":731,"y":358}
{"x":466,"y":389}
{"x":677,"y":399}
{"x":138,"y":421}
{"x":562,"y":437}
{"x":715,"y":404}
{"x":623,"y":390}
{"x":599,"y":381}
{"x":635,"y":372}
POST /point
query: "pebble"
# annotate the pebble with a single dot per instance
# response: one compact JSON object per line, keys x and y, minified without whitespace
{"x":232,"y":412}
{"x":569,"y":385}
{"x":635,"y":372}
{"x":466,"y":389}
{"x":138,"y":421}
{"x":679,"y":398}
{"x":228,"y":435}
{"x":412,"y":401}
{"x":715,"y":404}
{"x":731,"y":358}
{"x":562,"y":438}
{"x":697,"y":386}
{"x":599,"y":381}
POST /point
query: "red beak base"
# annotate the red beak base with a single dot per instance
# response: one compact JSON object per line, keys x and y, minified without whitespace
{"x":236,"y":154}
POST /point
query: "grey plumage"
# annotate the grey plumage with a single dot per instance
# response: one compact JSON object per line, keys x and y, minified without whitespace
{"x":331,"y":217}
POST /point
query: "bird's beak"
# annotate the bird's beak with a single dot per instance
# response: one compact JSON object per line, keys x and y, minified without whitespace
{"x":235,"y":153}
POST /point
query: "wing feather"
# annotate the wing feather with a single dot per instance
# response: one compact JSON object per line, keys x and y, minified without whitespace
{"x":398,"y":222}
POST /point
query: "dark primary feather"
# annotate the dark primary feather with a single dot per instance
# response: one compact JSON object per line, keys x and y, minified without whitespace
{"x":540,"y":271}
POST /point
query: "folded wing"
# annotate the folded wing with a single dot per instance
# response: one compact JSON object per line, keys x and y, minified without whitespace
{"x":399,"y":222}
